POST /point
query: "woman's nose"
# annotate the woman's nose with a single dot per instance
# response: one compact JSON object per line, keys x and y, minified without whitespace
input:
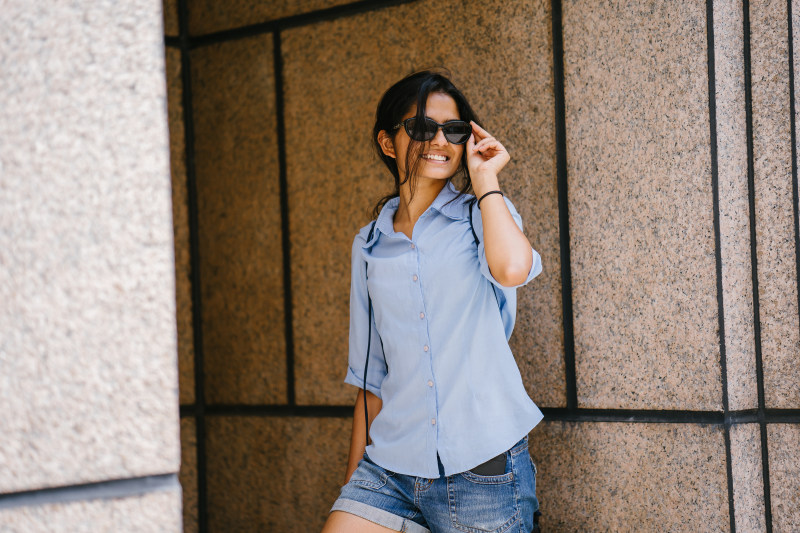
{"x":439,"y":139}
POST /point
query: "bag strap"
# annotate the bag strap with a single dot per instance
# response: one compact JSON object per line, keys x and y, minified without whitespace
{"x":369,"y":339}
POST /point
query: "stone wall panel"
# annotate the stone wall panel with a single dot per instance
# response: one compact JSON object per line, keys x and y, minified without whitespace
{"x":274,"y":473}
{"x":775,"y":224}
{"x":180,"y":227}
{"x":640,"y":203}
{"x":155,"y":512}
{"x":335,"y":73}
{"x":208,"y":16}
{"x":238,"y":197}
{"x":630,"y":477}
{"x":748,"y":478}
{"x":87,"y":283}
{"x":188,"y":474}
{"x":783,"y":442}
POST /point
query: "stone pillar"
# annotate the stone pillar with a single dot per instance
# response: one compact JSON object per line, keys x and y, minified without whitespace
{"x":89,"y":436}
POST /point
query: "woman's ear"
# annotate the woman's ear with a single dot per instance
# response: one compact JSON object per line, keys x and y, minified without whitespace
{"x":387,"y":145}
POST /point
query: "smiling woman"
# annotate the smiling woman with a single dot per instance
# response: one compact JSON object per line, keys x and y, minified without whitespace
{"x":432,"y":306}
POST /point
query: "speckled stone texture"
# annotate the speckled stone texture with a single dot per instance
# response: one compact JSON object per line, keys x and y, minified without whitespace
{"x":188,"y":474}
{"x":171,"y":25}
{"x":784,"y":476}
{"x":640,"y":204}
{"x":180,"y":227}
{"x":734,"y":210}
{"x":274,"y":474}
{"x":155,"y":512}
{"x":630,"y":477}
{"x":775,"y":237}
{"x":87,"y":292}
{"x":748,"y":479}
{"x":208,"y":16}
{"x":241,"y":259}
{"x":334,"y":75}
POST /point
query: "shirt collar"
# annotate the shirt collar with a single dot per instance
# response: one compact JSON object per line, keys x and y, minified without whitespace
{"x":442,"y":203}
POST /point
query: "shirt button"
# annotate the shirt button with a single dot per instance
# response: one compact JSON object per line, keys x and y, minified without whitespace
{"x":433,"y":421}
{"x":430,"y":383}
{"x":425,"y":347}
{"x":413,"y":246}
{"x":415,"y":278}
{"x":422,"y":315}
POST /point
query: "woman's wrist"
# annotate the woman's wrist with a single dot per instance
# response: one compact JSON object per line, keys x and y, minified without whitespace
{"x":483,"y":184}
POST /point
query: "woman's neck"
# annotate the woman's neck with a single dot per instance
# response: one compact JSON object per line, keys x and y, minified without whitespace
{"x":411,"y":208}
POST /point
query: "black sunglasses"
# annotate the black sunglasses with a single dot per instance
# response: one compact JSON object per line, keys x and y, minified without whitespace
{"x":455,"y":131}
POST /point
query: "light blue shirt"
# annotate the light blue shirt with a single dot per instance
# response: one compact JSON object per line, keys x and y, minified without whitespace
{"x":448,"y":381}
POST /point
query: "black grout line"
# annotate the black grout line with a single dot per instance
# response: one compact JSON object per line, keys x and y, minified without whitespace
{"x":723,"y":361}
{"x":748,"y":100}
{"x":286,"y":243}
{"x":792,"y":122}
{"x":563,"y":206}
{"x":172,"y":41}
{"x":102,"y":490}
{"x":194,"y":253}
{"x":731,"y":418}
{"x":294,"y":21}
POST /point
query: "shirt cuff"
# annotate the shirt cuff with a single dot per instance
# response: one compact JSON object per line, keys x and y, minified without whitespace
{"x":357,"y":381}
{"x":536,"y":269}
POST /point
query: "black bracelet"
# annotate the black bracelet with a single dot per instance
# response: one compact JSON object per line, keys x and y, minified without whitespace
{"x":487,"y":194}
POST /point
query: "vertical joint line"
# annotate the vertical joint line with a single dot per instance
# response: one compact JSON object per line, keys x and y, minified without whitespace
{"x":723,"y":363}
{"x":194,"y":259}
{"x":284,"y":199}
{"x":748,"y":99}
{"x":563,"y":205}
{"x":793,"y":126}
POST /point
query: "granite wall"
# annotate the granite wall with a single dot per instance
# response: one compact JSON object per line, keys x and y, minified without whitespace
{"x":654,"y":165}
{"x":89,"y":436}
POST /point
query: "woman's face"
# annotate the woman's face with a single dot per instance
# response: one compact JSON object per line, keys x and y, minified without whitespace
{"x":439,"y":159}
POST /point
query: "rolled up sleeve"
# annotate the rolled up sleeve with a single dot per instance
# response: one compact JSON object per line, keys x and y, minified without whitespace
{"x":362,"y":329}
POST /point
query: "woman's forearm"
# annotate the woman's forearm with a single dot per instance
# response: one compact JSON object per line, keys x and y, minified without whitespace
{"x":358,"y":437}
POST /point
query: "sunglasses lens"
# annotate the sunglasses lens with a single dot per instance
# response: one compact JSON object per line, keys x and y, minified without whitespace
{"x":457,"y":132}
{"x":421,"y":132}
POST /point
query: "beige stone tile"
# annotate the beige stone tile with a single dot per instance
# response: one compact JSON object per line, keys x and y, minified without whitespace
{"x":783,"y":441}
{"x":241,"y":264}
{"x":262,"y":472}
{"x":335,"y":73}
{"x":640,"y":203}
{"x":207,"y":16}
{"x":171,"y":24}
{"x":630,"y":477}
{"x":180,"y":227}
{"x":734,"y":210}
{"x":87,"y":283}
{"x":154,"y":512}
{"x":188,"y":474}
{"x":748,"y":479}
{"x":777,"y":267}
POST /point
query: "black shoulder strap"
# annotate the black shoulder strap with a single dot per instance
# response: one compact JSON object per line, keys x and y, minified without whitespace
{"x":477,"y":242}
{"x":369,"y":340}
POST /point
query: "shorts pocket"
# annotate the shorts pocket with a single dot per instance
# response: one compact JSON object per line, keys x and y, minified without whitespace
{"x":483,"y":504}
{"x":370,"y":475}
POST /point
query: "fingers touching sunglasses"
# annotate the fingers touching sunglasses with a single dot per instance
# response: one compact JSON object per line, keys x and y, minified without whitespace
{"x":455,"y":131}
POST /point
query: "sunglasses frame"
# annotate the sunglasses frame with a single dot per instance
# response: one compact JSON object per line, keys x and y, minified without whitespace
{"x":405,"y":124}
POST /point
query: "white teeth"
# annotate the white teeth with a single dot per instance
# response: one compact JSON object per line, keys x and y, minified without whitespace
{"x":435,"y":157}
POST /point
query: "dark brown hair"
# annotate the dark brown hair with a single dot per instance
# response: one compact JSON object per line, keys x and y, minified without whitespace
{"x":413,"y":90}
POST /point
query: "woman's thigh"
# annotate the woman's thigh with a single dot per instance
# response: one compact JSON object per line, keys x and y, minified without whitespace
{"x":342,"y":522}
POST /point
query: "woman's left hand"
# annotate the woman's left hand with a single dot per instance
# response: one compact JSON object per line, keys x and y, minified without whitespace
{"x":485,"y":155}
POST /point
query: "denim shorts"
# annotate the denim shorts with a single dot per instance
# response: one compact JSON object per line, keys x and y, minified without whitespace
{"x":465,"y":502}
